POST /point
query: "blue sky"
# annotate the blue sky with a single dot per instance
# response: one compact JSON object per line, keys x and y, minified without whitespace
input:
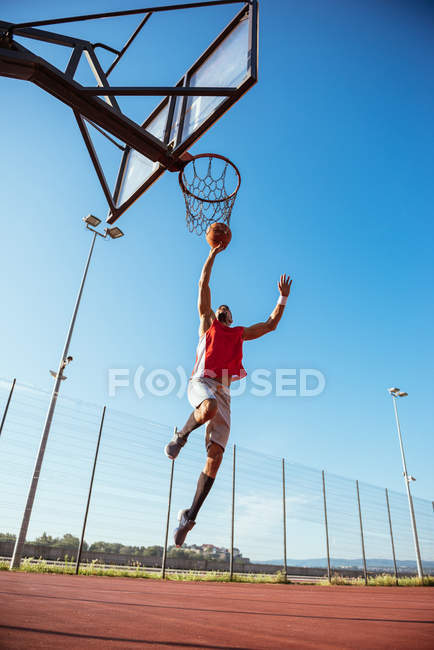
{"x":334,"y":146}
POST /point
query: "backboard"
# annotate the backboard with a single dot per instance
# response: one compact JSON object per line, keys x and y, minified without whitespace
{"x":229,"y":63}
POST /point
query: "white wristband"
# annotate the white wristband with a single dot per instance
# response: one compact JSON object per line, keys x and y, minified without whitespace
{"x":282,"y":300}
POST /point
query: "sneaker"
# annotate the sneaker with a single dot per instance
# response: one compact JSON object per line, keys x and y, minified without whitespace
{"x":173,"y":448}
{"x":184,"y":527}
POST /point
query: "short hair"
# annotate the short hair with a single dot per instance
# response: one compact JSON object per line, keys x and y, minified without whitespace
{"x":224,"y":306}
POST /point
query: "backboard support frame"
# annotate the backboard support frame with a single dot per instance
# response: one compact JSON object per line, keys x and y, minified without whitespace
{"x":98,"y":105}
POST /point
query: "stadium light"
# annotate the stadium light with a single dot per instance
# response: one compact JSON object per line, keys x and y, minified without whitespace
{"x":114,"y":233}
{"x":91,"y":220}
{"x":58,"y":376}
{"x":395,"y":393}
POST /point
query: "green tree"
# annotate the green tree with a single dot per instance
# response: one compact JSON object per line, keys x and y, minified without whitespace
{"x":46,"y":539}
{"x":69,"y":540}
{"x":153,"y":551}
{"x":7,"y":537}
{"x":105,"y":547}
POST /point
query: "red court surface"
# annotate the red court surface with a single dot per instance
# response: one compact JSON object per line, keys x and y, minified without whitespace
{"x":62,"y":611}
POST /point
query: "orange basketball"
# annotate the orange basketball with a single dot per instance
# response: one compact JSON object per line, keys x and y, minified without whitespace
{"x":218,"y":233}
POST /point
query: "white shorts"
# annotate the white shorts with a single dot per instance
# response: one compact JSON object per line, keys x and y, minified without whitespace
{"x":218,"y":428}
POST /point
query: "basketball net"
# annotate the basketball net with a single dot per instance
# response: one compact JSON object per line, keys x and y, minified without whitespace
{"x":210,"y":184}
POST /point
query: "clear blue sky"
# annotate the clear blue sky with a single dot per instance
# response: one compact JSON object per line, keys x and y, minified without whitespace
{"x":335,"y":148}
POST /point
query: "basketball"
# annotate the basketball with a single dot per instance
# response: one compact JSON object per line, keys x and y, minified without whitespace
{"x":218,"y":233}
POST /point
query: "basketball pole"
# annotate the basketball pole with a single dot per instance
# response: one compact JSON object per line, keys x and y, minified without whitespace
{"x":20,"y":541}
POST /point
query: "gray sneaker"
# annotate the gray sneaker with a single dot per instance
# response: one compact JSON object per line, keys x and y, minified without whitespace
{"x":184,"y":527}
{"x":173,"y":448}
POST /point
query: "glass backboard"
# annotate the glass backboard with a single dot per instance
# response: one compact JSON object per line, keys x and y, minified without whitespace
{"x":230,"y":64}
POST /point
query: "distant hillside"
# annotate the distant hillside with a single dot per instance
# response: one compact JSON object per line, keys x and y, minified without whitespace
{"x":340,"y":563}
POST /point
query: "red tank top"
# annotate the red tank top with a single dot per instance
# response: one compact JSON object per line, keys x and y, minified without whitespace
{"x":219,"y":353}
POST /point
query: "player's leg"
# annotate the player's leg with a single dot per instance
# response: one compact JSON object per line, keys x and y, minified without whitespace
{"x":204,"y":412}
{"x":217,"y":434}
{"x":201,"y":395}
{"x":206,"y":479}
{"x":187,"y":518}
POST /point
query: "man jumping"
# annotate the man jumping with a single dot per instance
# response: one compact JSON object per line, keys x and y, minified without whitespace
{"x":218,"y":363}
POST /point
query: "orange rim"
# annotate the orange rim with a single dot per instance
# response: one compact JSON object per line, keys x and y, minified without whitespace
{"x":210,"y":155}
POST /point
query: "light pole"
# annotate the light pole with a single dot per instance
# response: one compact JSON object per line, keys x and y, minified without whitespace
{"x":91,"y":222}
{"x":395,"y":393}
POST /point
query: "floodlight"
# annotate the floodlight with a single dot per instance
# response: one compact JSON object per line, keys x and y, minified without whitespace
{"x":411,"y":478}
{"x":114,"y":232}
{"x":402,"y":394}
{"x":91,"y":220}
{"x":393,"y":390}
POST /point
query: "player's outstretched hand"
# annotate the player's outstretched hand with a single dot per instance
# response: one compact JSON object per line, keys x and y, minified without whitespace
{"x":218,"y":249}
{"x":284,"y":285}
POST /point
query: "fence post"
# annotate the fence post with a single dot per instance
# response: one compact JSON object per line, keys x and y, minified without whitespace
{"x":326,"y":526}
{"x":361,"y":534}
{"x":391,"y":536}
{"x":7,"y":406}
{"x":169,"y":504}
{"x":80,"y":548}
{"x":285,"y":567}
{"x":231,"y":566}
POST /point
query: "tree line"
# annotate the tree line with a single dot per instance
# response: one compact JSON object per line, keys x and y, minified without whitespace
{"x":69,"y":541}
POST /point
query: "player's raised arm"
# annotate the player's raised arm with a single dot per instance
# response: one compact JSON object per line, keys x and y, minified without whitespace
{"x":206,"y":313}
{"x":259,"y":329}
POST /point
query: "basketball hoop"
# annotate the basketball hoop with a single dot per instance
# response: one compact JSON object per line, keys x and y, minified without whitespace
{"x":210,"y":184}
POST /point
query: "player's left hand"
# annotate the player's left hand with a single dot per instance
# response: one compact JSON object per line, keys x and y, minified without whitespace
{"x":284,"y":285}
{"x":217,"y":249}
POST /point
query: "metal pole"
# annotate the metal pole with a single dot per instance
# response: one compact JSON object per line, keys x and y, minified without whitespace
{"x":163,"y":567}
{"x":326,"y":526}
{"x":19,"y":544}
{"x":231,"y":567}
{"x":285,"y":567}
{"x":7,"y":406}
{"x":391,"y":536}
{"x":410,"y":500}
{"x":128,"y":43}
{"x":115,"y":14}
{"x":361,"y":534}
{"x":80,"y":548}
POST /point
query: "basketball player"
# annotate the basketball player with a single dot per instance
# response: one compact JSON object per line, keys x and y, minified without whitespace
{"x":218,"y":363}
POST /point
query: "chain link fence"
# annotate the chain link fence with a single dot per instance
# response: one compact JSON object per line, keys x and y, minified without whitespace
{"x":280,"y":513}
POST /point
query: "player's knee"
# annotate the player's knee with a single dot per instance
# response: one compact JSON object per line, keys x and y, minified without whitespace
{"x":209,"y":408}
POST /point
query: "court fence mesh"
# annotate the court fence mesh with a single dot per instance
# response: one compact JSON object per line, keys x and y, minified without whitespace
{"x":241,"y":525}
